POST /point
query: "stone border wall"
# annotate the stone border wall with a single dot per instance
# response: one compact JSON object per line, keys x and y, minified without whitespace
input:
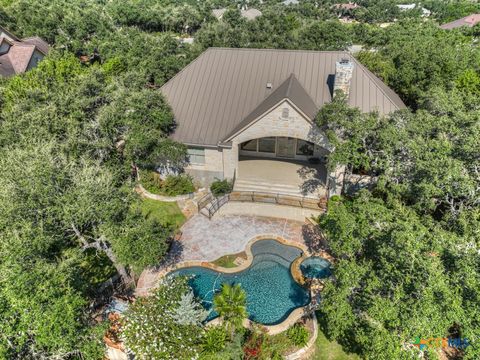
{"x":308,"y":349}
{"x":144,"y":193}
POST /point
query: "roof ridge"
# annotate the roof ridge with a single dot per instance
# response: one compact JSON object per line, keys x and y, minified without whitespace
{"x":279,"y":50}
{"x":290,"y":82}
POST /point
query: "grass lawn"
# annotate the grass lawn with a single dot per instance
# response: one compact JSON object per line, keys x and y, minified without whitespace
{"x":164,"y":212}
{"x":330,"y":350}
{"x":228,"y":261}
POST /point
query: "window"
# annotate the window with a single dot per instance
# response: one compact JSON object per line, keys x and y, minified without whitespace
{"x":285,"y":113}
{"x":304,"y":148}
{"x":249,"y":145}
{"x":266,"y":145}
{"x":196,"y":155}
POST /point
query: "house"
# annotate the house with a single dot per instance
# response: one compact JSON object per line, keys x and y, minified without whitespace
{"x":250,"y":14}
{"x":469,"y":21}
{"x":346,"y":11}
{"x":290,"y":2}
{"x":248,"y":115}
{"x":406,"y":7}
{"x":347,"y":6}
{"x":20,"y":55}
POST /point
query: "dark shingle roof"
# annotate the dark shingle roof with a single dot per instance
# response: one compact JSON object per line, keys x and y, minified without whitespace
{"x":223,"y":88}
{"x":17,"y":57}
{"x":41,"y":44}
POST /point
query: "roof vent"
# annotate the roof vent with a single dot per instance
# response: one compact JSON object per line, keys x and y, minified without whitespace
{"x":269,"y":85}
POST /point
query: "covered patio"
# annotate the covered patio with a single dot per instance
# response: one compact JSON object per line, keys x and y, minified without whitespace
{"x":282,"y":176}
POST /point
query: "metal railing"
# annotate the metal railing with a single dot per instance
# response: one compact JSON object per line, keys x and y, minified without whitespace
{"x":209,"y":204}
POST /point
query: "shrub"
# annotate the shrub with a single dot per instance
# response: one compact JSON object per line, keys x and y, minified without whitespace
{"x":298,"y":335}
{"x":178,"y":185}
{"x":221,"y":187}
{"x":335,"y":198}
{"x":172,"y":185}
{"x":151,"y":181}
{"x":215,"y":341}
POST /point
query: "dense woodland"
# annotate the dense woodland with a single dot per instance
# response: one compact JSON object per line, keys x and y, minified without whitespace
{"x":408,"y":249}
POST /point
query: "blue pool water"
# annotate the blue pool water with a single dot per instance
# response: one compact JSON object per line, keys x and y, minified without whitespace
{"x":316,"y":268}
{"x":272,"y":293}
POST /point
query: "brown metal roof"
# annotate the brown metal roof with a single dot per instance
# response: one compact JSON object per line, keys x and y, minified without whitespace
{"x":223,"y":88}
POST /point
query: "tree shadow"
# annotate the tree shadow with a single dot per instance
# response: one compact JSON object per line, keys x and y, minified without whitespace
{"x":314,"y":238}
{"x":314,"y":178}
{"x":174,"y":255}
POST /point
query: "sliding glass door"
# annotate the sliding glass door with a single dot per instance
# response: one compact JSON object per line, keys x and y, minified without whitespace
{"x":286,"y":147}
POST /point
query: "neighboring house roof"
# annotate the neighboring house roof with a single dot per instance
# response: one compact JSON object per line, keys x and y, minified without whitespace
{"x":249,"y":14}
{"x":8,"y":34}
{"x":405,"y":7}
{"x":18,"y":56}
{"x":470,"y":21}
{"x":355,"y":48}
{"x":290,"y":2}
{"x":41,"y":44}
{"x":225,"y":88}
{"x":218,"y":13}
{"x":349,"y":6}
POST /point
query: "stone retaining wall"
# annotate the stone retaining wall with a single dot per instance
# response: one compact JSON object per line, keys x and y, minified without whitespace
{"x":309,"y":349}
{"x":144,"y":193}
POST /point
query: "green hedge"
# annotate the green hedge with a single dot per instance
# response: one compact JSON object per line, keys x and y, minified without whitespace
{"x":172,"y":185}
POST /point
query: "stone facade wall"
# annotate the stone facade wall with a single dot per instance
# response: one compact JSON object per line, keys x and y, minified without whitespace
{"x":205,"y":174}
{"x":273,"y":124}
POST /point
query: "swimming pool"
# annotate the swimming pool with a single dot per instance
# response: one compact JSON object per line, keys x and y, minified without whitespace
{"x":272,"y":293}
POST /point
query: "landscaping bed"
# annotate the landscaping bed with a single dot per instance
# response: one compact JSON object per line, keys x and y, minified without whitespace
{"x":231,"y":261}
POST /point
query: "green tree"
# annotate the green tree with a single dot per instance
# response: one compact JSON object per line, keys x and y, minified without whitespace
{"x":151,"y":327}
{"x":325,"y":35}
{"x":231,"y":305}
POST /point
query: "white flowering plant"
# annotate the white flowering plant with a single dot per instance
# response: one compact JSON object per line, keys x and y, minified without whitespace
{"x":153,"y":329}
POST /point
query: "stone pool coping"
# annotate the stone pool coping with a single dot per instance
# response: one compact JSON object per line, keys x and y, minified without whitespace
{"x":291,"y":319}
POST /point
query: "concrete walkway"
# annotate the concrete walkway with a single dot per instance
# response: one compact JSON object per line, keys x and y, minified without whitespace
{"x":268,"y":210}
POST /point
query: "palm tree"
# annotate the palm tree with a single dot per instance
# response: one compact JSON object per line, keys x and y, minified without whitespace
{"x":231,"y":305}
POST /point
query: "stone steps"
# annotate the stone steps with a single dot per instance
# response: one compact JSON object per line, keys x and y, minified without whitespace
{"x":276,"y":188}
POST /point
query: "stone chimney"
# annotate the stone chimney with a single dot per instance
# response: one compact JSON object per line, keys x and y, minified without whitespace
{"x":343,"y":76}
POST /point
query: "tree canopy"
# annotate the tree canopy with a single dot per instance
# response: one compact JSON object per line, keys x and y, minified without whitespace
{"x":70,"y":133}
